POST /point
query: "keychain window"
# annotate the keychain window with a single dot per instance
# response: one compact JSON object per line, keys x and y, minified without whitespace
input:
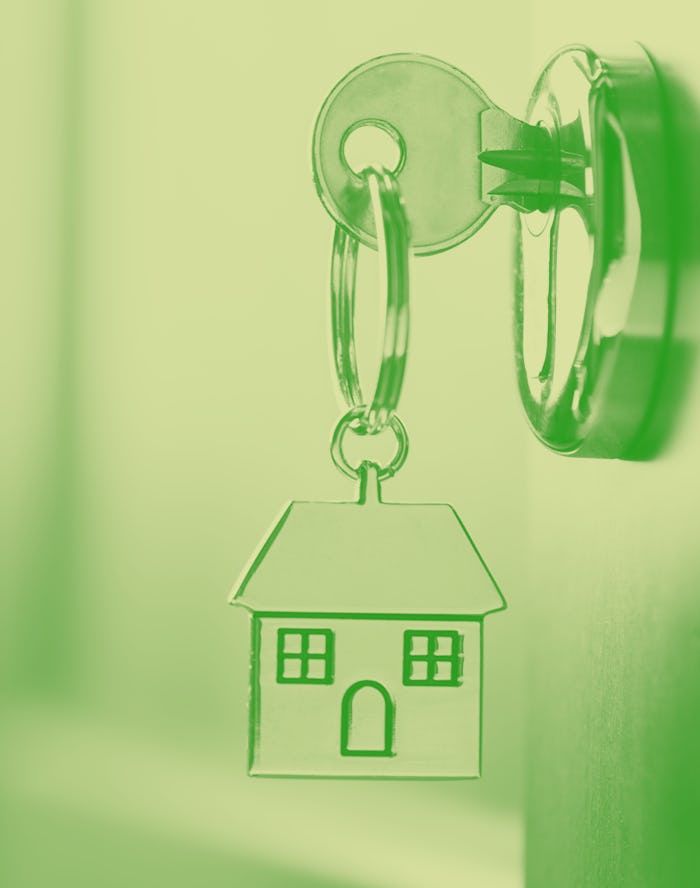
{"x":305,"y":656}
{"x":432,"y":658}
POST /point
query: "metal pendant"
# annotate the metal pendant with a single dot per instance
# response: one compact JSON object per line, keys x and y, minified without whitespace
{"x":367,"y":633}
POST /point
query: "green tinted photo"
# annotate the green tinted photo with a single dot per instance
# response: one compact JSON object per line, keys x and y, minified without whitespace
{"x":377,"y":322}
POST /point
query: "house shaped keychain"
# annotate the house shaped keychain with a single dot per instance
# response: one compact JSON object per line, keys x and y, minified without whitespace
{"x":366,"y":656}
{"x":367,"y":617}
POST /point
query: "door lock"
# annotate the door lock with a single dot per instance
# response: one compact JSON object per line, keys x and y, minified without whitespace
{"x":586,"y":171}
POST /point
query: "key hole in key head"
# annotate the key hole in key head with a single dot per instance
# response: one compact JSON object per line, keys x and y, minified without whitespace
{"x":370,"y":143}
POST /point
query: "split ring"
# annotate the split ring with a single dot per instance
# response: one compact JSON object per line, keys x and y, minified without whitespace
{"x":353,"y":420}
{"x":382,"y":189}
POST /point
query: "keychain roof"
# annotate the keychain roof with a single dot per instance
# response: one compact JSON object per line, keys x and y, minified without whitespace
{"x":369,"y":558}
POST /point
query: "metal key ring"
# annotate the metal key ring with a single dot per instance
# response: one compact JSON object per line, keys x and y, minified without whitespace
{"x":353,"y":420}
{"x":393,"y":236}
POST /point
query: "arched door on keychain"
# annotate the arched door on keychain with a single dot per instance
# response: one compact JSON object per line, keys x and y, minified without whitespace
{"x":367,"y":720}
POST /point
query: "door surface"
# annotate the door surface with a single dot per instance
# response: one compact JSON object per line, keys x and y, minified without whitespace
{"x":613,"y":778}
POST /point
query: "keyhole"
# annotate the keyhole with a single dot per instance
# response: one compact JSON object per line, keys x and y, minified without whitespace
{"x":372,"y":143}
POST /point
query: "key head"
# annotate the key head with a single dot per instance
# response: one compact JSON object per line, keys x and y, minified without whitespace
{"x":432,"y":111}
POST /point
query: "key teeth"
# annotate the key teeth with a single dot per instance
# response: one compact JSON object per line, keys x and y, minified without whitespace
{"x":528,"y":187}
{"x":534,"y":163}
{"x":523,"y":161}
{"x":522,"y":168}
{"x":530,"y":195}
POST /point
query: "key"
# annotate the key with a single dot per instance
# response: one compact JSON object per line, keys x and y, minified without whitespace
{"x":459,"y":156}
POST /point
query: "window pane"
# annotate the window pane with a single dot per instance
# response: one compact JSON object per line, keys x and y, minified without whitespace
{"x":292,"y":643}
{"x":317,"y":643}
{"x":292,"y":668}
{"x":316,"y":669}
{"x":443,"y":670}
{"x":419,"y":644}
{"x":444,"y":645}
{"x":419,"y":670}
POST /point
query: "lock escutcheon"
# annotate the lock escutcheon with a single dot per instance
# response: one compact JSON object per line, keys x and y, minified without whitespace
{"x":593,"y":274}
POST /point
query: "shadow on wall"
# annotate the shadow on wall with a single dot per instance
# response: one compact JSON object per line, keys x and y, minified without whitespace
{"x":678,"y":359}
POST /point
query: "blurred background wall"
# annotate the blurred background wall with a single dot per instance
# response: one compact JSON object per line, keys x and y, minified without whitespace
{"x":167,"y":388}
